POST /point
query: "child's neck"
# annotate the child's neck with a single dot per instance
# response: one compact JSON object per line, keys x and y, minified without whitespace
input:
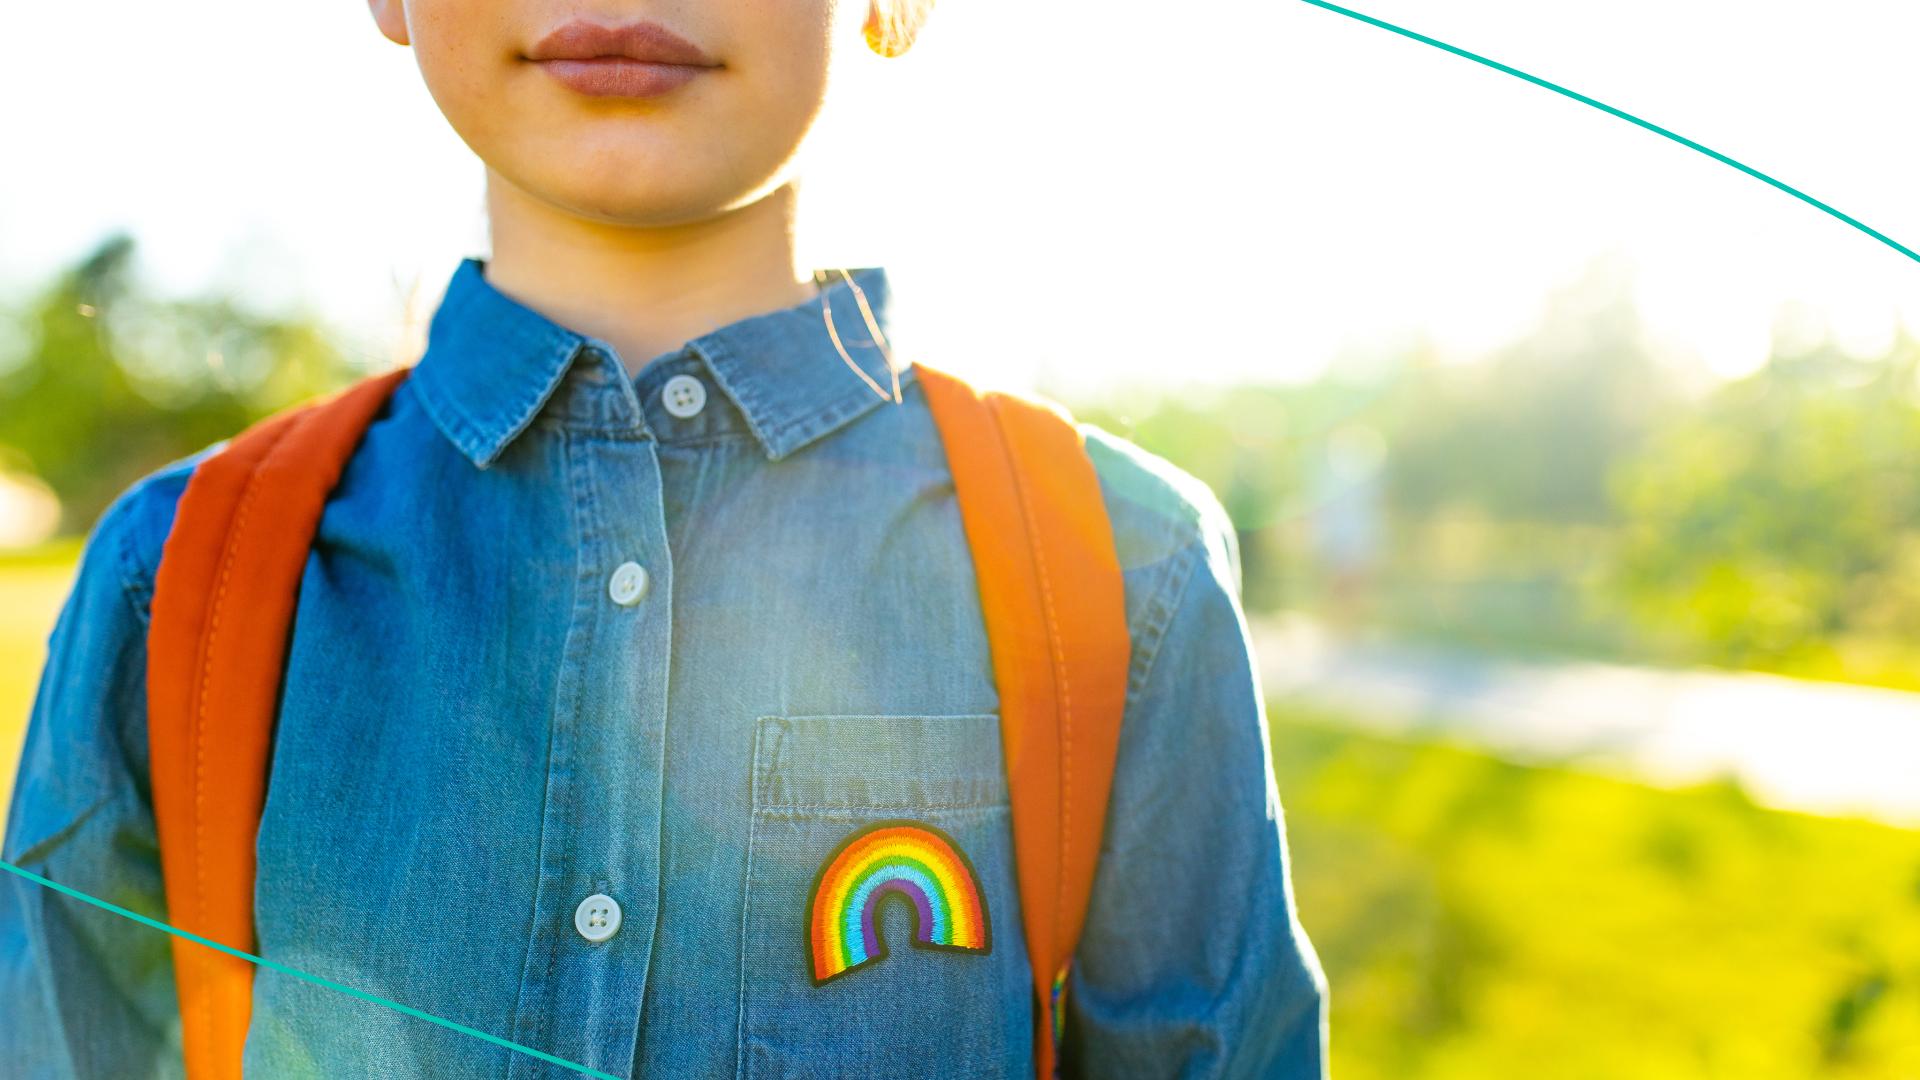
{"x":644,"y":290}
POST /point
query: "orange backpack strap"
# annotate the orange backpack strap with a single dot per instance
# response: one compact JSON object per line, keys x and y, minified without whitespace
{"x":216,"y":645}
{"x":1052,"y":597}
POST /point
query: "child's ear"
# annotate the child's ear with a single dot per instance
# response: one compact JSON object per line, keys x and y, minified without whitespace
{"x":893,"y":24}
{"x":391,"y":17}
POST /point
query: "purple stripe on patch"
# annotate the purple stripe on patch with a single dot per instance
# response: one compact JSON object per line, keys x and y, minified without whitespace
{"x":922,"y":906}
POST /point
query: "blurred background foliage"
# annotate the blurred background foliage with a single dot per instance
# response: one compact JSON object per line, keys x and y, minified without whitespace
{"x":104,"y":382}
{"x":1576,"y":494}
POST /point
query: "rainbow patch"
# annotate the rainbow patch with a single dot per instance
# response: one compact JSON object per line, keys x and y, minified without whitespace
{"x":909,"y":859}
{"x":1059,"y":1001}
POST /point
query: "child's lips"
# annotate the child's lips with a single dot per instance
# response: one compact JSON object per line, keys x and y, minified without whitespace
{"x":636,"y":59}
{"x":620,"y":76}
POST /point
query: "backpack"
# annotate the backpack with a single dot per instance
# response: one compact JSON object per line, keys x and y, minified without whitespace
{"x":224,"y":596}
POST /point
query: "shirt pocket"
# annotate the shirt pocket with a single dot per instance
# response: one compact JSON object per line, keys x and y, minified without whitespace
{"x":882,"y":933}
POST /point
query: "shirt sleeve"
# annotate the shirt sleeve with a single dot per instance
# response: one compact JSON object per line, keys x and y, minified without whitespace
{"x":85,"y":992}
{"x":1193,"y":962}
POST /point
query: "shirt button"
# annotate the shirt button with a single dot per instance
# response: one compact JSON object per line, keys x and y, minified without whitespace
{"x":598,"y":917}
{"x":684,"y":396}
{"x":628,"y":584}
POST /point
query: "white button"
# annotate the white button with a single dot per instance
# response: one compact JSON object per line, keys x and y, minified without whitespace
{"x":628,"y":584}
{"x":597,"y":918}
{"x":684,"y":396}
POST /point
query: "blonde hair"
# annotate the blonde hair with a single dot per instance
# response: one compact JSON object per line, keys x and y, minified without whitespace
{"x":896,"y":24}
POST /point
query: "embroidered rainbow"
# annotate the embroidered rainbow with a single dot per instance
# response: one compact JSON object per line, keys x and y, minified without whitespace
{"x":915,"y":861}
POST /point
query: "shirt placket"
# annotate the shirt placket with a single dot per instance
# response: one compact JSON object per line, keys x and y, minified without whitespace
{"x":599,"y":876}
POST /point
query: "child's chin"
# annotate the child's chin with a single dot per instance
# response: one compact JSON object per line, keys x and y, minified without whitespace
{"x":650,"y":198}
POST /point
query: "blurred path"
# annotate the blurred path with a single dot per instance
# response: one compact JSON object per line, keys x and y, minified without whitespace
{"x":1824,"y":748}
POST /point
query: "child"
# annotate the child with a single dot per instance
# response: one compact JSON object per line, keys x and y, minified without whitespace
{"x":638,"y":597}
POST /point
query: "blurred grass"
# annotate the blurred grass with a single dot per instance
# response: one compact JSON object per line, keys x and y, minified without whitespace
{"x":1484,"y":919}
{"x":33,"y":585}
{"x":1479,"y":918}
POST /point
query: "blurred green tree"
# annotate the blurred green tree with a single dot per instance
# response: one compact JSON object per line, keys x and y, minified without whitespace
{"x":1531,"y":433}
{"x":1778,"y":524}
{"x":112,"y":382}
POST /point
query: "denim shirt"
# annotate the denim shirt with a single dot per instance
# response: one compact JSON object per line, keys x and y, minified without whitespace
{"x":522,"y":787}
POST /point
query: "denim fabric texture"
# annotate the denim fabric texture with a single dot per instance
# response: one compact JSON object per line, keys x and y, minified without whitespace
{"x":476,"y":735}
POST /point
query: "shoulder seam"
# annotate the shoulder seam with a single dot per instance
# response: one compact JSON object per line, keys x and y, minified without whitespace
{"x":136,"y":578}
{"x":1157,"y":618}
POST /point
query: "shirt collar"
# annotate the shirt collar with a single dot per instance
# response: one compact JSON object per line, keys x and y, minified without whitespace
{"x":491,"y":363}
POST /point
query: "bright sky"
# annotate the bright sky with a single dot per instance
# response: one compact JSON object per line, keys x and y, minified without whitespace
{"x":1084,"y":193}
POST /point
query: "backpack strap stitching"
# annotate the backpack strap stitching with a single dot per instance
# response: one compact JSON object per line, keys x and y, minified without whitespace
{"x":230,"y":550}
{"x":1064,"y":693}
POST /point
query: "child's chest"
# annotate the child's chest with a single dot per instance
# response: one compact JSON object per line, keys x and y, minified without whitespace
{"x":682,"y":771}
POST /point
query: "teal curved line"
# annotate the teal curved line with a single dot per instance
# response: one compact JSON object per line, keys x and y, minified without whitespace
{"x":298,"y":974}
{"x":1628,"y":117}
